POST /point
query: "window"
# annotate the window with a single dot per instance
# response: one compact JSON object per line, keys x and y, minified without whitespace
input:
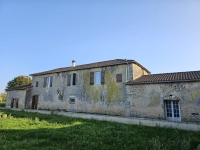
{"x":172,"y":110}
{"x":97,"y":77}
{"x":119,"y":77}
{"x":36,"y":84}
{"x":72,"y":100}
{"x":48,"y":81}
{"x":71,"y":79}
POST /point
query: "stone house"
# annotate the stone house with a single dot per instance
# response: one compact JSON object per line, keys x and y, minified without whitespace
{"x":115,"y":87}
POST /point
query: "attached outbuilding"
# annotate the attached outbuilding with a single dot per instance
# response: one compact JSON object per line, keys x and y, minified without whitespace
{"x":18,"y":97}
{"x":169,"y":96}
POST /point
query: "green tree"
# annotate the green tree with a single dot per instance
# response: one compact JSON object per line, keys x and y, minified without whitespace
{"x":17,"y":81}
{"x":3,"y":97}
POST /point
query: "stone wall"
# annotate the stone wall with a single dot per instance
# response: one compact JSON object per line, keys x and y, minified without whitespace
{"x":138,"y":71}
{"x":108,"y":98}
{"x":19,"y":94}
{"x":147,"y":100}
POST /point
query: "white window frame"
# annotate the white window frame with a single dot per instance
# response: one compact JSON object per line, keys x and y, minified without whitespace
{"x":173,"y":111}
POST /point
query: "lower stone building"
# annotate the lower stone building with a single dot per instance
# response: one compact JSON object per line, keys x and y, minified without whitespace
{"x":18,"y":97}
{"x":169,"y":96}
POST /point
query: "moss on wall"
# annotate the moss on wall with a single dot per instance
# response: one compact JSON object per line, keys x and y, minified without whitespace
{"x":194,"y":95}
{"x":154,"y":99}
{"x":112,"y":88}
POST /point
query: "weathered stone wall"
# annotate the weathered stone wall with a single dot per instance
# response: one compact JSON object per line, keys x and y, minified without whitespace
{"x":138,"y":71}
{"x":19,"y":94}
{"x":146,"y":100}
{"x":28,"y":98}
{"x":108,"y":98}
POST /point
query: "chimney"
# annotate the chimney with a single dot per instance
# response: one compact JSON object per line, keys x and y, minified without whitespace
{"x":73,"y":63}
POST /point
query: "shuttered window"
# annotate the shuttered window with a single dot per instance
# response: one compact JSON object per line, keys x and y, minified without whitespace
{"x":91,"y":78}
{"x":36,"y":84}
{"x":98,"y":77}
{"x":48,"y":81}
{"x":119,"y":77}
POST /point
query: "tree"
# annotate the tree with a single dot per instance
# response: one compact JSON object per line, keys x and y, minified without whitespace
{"x":17,"y":81}
{"x":3,"y":97}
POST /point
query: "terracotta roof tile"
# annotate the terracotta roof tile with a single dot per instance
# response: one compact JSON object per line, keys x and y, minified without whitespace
{"x":167,"y":77}
{"x":91,"y":65}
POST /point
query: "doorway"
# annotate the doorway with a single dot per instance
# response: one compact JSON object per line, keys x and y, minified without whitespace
{"x":14,"y":103}
{"x":172,"y":110}
{"x":34,"y":102}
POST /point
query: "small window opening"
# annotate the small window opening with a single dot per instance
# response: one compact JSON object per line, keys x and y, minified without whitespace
{"x":72,"y":101}
{"x":36,"y":84}
{"x":119,"y":77}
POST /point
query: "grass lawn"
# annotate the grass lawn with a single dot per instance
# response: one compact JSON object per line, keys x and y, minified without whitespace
{"x":23,"y":130}
{"x":2,"y":104}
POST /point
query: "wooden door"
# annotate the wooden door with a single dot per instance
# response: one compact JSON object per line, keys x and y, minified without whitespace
{"x":11,"y":105}
{"x":34,"y":102}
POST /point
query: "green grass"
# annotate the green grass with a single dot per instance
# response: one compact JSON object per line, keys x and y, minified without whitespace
{"x":2,"y":104}
{"x":23,"y":130}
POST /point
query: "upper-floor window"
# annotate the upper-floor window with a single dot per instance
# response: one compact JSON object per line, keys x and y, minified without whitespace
{"x":48,"y":81}
{"x":119,"y":77}
{"x":97,"y":77}
{"x":71,"y":79}
{"x":36,"y":84}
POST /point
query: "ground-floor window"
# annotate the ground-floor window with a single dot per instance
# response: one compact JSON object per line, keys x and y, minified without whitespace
{"x":172,"y":110}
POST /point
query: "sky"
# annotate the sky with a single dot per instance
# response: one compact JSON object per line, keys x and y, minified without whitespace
{"x":40,"y":35}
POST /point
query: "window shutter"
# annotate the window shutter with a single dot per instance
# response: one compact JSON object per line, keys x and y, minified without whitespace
{"x":68,"y":79}
{"x":45,"y":80}
{"x":74,"y":79}
{"x":91,"y":78}
{"x":102,"y":77}
{"x":119,"y":77}
{"x":51,"y":81}
{"x":16,"y":100}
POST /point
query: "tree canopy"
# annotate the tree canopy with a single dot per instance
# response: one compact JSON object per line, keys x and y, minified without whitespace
{"x":3,"y":96}
{"x":17,"y":81}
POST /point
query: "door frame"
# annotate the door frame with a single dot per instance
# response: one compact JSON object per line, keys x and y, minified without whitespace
{"x":34,"y":104}
{"x":172,"y":103}
{"x":14,"y":101}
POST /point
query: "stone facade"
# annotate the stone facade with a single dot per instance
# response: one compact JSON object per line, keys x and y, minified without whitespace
{"x":18,"y":94}
{"x":148,"y":100}
{"x":107,"y":98}
{"x":128,"y":89}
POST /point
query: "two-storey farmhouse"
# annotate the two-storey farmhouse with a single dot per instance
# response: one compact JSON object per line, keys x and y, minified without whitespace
{"x":115,"y":87}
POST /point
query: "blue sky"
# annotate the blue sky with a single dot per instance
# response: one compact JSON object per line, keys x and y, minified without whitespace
{"x":39,"y":35}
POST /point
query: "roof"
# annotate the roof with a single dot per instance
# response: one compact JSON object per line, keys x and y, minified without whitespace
{"x":21,"y":87}
{"x":167,"y":77}
{"x":91,"y":65}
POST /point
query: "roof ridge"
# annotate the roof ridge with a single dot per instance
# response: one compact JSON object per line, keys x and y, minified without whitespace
{"x":172,"y":72}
